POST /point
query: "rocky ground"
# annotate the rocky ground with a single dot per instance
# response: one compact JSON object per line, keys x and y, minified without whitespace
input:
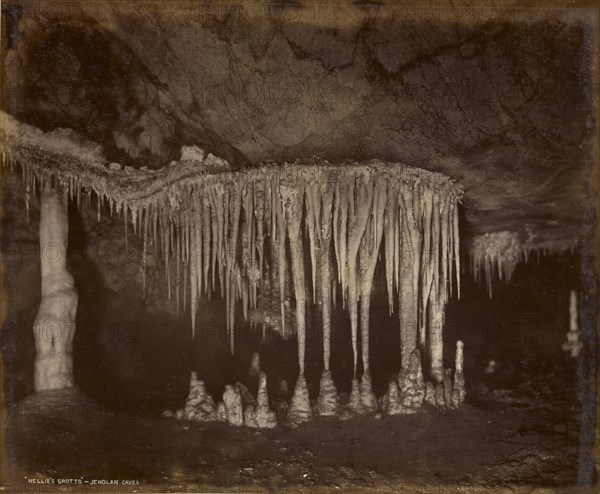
{"x":522,"y":436}
{"x":519,"y":430}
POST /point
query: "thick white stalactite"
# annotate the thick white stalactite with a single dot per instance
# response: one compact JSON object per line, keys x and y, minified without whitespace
{"x":54,"y":325}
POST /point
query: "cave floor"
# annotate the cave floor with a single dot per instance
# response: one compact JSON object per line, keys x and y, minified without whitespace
{"x":523,"y":436}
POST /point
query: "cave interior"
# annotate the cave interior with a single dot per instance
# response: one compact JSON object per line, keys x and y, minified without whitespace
{"x":290,"y":245}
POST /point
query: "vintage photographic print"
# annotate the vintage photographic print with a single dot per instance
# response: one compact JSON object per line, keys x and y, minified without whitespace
{"x":299,"y":246}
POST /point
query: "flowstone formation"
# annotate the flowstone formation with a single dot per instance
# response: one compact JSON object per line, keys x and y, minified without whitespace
{"x":222,"y":230}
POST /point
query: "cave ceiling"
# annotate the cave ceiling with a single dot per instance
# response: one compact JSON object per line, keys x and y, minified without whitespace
{"x":500,"y":101}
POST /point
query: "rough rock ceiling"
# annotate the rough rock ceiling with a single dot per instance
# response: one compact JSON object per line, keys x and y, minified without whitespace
{"x":499,"y":100}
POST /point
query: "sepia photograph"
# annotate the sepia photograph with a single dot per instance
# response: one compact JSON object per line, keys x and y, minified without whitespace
{"x":299,"y":246}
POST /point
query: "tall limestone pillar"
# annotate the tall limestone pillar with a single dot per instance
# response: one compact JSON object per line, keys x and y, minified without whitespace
{"x":54,"y":325}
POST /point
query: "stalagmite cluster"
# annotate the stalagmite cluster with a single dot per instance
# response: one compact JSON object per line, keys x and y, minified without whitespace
{"x":325,"y":225}
{"x":238,"y":406}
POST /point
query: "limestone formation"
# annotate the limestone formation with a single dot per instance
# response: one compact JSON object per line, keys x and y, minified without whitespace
{"x":440,"y":399}
{"x":199,"y":405}
{"x":265,"y":417}
{"x":573,"y":344}
{"x":221,"y":412}
{"x":448,"y":387}
{"x":54,"y":326}
{"x":459,"y":378}
{"x":412,"y":384}
{"x":299,"y":410}
{"x":245,"y":395}
{"x":430,"y":394}
{"x":211,"y":224}
{"x":232,"y":400}
{"x":391,"y":403}
{"x":368,"y":400}
{"x":250,"y":416}
{"x":355,"y":403}
{"x":328,"y":398}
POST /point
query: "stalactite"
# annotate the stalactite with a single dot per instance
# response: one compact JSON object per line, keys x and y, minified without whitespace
{"x":456,"y":250}
{"x":390,"y":233}
{"x":436,"y":302}
{"x":369,"y":249}
{"x":358,"y":217}
{"x":292,"y":201}
{"x":325,"y":271}
{"x":427,"y":265}
{"x":198,"y":227}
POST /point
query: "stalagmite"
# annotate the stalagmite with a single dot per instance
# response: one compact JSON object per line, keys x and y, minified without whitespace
{"x":250,"y":416}
{"x":440,"y":400}
{"x":221,"y":412}
{"x":265,"y":417}
{"x":368,"y":400}
{"x":391,"y":400}
{"x":199,"y":405}
{"x":245,"y":395}
{"x":299,"y":410}
{"x":54,"y":325}
{"x":412,"y":384}
{"x":429,"y":394}
{"x":328,"y":397}
{"x":232,"y":400}
{"x":573,"y":344}
{"x":447,"y":383}
{"x":459,"y":378}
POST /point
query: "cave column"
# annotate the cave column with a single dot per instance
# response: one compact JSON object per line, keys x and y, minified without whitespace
{"x":54,"y":325}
